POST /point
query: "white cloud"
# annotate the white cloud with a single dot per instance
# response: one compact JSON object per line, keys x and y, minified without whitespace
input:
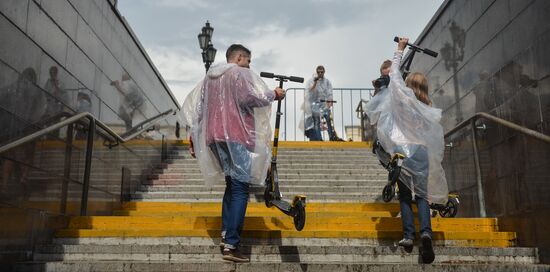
{"x":350,"y":46}
{"x":180,"y":68}
{"x":182,"y":3}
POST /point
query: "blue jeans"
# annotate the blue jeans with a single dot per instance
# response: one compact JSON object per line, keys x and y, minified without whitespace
{"x":235,"y":162}
{"x":314,"y":134}
{"x":407,"y":216}
{"x":235,"y":201}
{"x":331,"y":134}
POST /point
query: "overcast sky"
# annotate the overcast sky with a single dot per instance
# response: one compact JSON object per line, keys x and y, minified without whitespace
{"x":349,"y":37}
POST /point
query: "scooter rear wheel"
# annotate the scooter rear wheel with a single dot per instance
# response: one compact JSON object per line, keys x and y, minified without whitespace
{"x":300,"y":216}
{"x":267,"y":197}
{"x":388,"y":193}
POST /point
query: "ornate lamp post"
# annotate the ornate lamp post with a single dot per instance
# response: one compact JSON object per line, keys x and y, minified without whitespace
{"x":205,"y":42}
{"x":453,"y":54}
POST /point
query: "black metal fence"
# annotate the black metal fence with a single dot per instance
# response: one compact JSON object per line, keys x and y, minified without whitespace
{"x":346,"y":120}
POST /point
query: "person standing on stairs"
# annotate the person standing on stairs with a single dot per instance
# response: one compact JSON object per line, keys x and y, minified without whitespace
{"x":317,"y":105}
{"x":229,"y":114}
{"x":408,"y":124}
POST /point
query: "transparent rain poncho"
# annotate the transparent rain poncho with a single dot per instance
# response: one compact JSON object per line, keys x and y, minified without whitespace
{"x":312,"y":106}
{"x":229,"y":113}
{"x":407,"y":126}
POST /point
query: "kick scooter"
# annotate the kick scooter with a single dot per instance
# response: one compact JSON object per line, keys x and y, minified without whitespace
{"x":272,"y":194}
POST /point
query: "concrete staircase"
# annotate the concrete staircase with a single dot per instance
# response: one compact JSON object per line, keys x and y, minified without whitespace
{"x":173,"y":224}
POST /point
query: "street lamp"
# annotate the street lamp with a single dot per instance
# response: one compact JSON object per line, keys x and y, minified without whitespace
{"x":453,"y":54}
{"x":205,"y":42}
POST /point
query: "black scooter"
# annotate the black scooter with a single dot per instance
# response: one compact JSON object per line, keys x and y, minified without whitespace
{"x":272,"y":195}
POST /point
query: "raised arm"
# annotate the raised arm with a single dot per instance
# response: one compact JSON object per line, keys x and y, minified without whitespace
{"x":395,"y":73}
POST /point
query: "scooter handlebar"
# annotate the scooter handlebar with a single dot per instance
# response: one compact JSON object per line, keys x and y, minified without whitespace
{"x":289,"y":78}
{"x":415,"y":47}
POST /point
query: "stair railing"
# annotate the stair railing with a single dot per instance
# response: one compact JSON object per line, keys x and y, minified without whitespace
{"x":472,"y":122}
{"x":112,"y":137}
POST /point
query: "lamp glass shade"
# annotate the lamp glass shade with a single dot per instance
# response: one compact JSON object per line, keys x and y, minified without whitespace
{"x":207,"y":29}
{"x":211,"y":54}
{"x":203,"y":40}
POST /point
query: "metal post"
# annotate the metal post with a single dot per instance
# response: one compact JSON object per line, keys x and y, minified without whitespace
{"x":164,"y":150}
{"x":342,"y":114}
{"x":481,"y":197}
{"x":285,"y":117}
{"x":67,"y":169}
{"x":350,"y":113}
{"x":87,"y":168}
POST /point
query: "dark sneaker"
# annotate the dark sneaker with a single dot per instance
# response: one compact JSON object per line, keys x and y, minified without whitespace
{"x":428,"y":255}
{"x":234,"y":255}
{"x":222,"y":244}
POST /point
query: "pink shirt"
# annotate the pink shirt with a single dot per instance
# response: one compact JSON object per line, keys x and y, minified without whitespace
{"x":230,"y":99}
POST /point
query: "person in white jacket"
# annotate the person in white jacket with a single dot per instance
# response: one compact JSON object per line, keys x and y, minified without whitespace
{"x":317,"y":105}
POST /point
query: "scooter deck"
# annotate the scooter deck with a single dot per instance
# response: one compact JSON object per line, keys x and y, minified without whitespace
{"x":282,"y":205}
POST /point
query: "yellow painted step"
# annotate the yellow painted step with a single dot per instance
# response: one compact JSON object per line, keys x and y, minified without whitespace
{"x":252,"y":212}
{"x":276,"y":223}
{"x":479,"y":239}
{"x":259,"y":206}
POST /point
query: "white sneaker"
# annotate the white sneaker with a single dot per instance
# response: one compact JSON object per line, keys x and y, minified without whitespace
{"x":406,"y":242}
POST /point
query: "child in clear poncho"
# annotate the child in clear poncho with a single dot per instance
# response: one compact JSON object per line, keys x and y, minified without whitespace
{"x":407,"y":124}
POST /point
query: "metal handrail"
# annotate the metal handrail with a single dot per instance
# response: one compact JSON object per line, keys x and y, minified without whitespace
{"x":114,"y":138}
{"x":155,"y":118}
{"x":472,"y":122}
{"x":500,"y":121}
{"x":84,"y":115}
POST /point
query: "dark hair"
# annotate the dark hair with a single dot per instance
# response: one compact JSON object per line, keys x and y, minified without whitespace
{"x":28,"y":74}
{"x":320,"y":67}
{"x":234,"y":49}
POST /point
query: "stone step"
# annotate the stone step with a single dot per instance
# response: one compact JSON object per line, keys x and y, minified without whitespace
{"x":319,"y":164}
{"x":262,"y":212}
{"x":456,"y":238}
{"x":286,"y":188}
{"x":277,"y":221}
{"x":304,"y":158}
{"x":285,"y":183}
{"x":214,"y":239}
{"x":216,"y":206}
{"x":212,"y":196}
{"x":279,"y":254}
{"x":307,"y":152}
{"x":287,"y":176}
{"x":303,"y":168}
{"x":216,"y":265}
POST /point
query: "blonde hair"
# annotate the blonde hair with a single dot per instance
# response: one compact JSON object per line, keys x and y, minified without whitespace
{"x":385,"y":65}
{"x":419,"y":84}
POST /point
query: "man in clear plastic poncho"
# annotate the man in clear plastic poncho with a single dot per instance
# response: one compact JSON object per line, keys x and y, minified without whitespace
{"x":317,"y":104}
{"x":229,"y":114}
{"x":407,"y":124}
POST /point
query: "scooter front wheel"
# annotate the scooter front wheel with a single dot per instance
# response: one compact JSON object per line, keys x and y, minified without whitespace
{"x":299,"y":216}
{"x":450,"y":209}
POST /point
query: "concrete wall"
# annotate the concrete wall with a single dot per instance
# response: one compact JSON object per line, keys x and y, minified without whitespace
{"x":69,"y":56}
{"x":494,"y":58}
